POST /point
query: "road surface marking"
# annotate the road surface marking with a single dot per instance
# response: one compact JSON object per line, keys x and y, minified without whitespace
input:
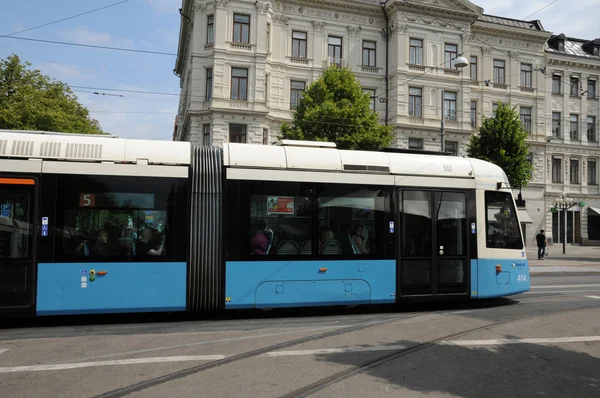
{"x":3,"y":350}
{"x":227,"y":340}
{"x":594,"y":297}
{"x":135,"y":361}
{"x":333,"y":350}
{"x":564,"y":286}
{"x":563,"y":291}
{"x":551,"y":340}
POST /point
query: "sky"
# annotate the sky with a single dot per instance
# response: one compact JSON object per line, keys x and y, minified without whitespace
{"x":153,"y":25}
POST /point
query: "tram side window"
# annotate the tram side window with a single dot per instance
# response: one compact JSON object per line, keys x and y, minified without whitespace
{"x":279,"y":219}
{"x":502,"y":225}
{"x":15,"y":225}
{"x":349,"y":220}
{"x":102,"y":220}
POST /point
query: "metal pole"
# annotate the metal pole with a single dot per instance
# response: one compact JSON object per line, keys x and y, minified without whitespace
{"x":442,"y":127}
{"x":565,"y":233}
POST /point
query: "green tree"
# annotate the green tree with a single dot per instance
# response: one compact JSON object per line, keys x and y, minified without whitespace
{"x":334,"y":108}
{"x":501,"y":140}
{"x":30,"y":100}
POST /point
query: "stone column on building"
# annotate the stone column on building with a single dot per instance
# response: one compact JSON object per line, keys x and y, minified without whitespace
{"x":354,"y":48}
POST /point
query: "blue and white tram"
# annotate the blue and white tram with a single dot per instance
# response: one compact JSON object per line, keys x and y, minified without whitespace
{"x":94,"y":224}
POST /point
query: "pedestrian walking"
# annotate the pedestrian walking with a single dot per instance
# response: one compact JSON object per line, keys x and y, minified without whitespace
{"x":541,"y":244}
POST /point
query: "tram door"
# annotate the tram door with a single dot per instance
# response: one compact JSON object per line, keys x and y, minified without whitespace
{"x":433,"y":243}
{"x":18,"y":228}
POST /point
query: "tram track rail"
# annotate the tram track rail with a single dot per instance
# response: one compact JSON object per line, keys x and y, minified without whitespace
{"x":401,"y":353}
{"x":339,"y":376}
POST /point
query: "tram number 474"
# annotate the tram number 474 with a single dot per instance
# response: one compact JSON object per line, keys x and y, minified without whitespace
{"x":522,"y":278}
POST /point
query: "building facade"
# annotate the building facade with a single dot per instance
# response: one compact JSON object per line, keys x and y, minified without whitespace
{"x":244,"y":64}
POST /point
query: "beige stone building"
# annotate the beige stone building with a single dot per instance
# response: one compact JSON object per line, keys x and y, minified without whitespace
{"x":243,"y":66}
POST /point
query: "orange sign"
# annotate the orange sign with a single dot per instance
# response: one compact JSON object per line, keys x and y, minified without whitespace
{"x":280,"y":205}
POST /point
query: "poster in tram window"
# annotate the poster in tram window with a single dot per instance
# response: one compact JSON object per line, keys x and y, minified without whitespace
{"x":280,"y":205}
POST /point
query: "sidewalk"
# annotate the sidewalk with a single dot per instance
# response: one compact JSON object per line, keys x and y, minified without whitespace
{"x":576,"y":259}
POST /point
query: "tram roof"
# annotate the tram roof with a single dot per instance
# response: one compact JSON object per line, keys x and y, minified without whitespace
{"x":91,"y":148}
{"x":287,"y":155}
{"x":313,"y":157}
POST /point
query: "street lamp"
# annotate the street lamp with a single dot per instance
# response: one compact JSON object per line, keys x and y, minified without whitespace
{"x":564,"y":203}
{"x":459,"y":62}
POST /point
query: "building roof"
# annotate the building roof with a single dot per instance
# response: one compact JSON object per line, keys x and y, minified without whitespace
{"x":573,"y":46}
{"x":517,"y":23}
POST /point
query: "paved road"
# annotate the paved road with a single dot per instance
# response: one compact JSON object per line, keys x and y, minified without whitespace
{"x":545,"y":342}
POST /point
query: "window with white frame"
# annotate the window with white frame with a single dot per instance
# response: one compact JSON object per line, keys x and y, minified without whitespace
{"x":574,"y":87}
{"x":209,"y":84}
{"x":525,"y":114}
{"x":574,"y":171}
{"x":499,"y":71}
{"x":452,"y":147}
{"x":473,"y":114}
{"x":557,"y":174}
{"x":526,"y":75}
{"x":415,"y":55}
{"x":591,"y":88}
{"x":415,"y":101}
{"x":237,"y":133}
{"x":592,"y":172}
{"x":335,"y":50}
{"x":372,"y":98}
{"x":296,"y":90}
{"x":591,"y":129}
{"x":241,"y":28}
{"x":473,"y":67}
{"x":415,"y":143}
{"x":239,"y":84}
{"x":206,"y":134}
{"x":574,"y":127}
{"x":449,"y":105}
{"x":556,"y":84}
{"x":210,"y":29}
{"x":369,"y":53}
{"x":450,"y":55}
{"x":556,"y":123}
{"x":299,"y":44}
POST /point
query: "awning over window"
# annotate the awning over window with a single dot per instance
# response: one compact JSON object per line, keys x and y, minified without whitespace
{"x":595,"y":210}
{"x":524,"y":217}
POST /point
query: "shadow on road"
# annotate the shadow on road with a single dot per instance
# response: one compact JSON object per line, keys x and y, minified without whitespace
{"x":516,"y":370}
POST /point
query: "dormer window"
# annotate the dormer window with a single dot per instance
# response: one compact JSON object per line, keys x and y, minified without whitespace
{"x":558,"y":42}
{"x":592,"y":47}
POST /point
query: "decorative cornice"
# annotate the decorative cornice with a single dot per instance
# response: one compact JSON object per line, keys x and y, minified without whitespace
{"x":221,"y":3}
{"x":354,"y":30}
{"x":463,"y":12}
{"x":262,"y":8}
{"x":355,"y":16}
{"x":201,"y":8}
{"x":508,"y":31}
{"x":427,"y":20}
{"x":281,"y":20}
{"x":318,"y":26}
{"x":553,"y":58}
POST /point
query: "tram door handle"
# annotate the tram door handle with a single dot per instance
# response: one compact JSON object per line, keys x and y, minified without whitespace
{"x":441,"y":250}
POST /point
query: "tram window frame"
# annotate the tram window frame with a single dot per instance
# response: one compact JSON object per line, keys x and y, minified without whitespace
{"x":240,"y":228}
{"x":169,"y":196}
{"x":494,"y":197}
{"x":278,"y":193}
{"x":377,"y":224}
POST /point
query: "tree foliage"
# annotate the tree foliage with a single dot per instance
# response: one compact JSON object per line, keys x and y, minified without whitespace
{"x":30,"y":100}
{"x":502,"y":141}
{"x":334,"y":108}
